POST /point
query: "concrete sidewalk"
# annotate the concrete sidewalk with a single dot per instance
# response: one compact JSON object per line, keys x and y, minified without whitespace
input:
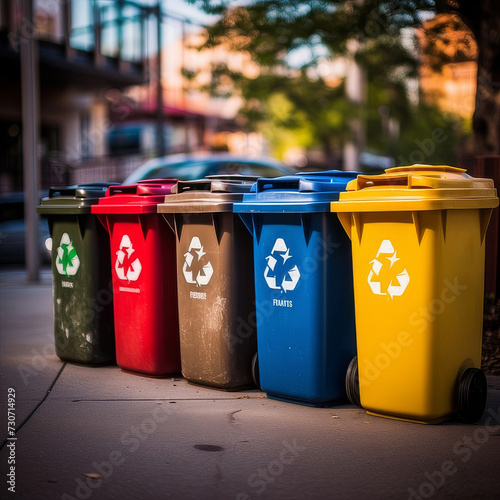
{"x":99,"y":433}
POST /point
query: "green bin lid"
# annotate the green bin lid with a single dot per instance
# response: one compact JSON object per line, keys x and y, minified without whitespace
{"x":75,"y":199}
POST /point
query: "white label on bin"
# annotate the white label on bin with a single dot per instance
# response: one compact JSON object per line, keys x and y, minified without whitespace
{"x":279,"y":274}
{"x":127,"y":266}
{"x":398,"y":284}
{"x":67,"y":261}
{"x":196,"y":271}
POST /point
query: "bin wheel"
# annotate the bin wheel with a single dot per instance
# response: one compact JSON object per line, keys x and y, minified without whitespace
{"x":352,"y":382}
{"x":472,"y":392}
{"x":255,"y":370}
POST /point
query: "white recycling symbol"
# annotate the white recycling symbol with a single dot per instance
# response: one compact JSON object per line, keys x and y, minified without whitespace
{"x":396,"y":286}
{"x":276,"y":274}
{"x":127,"y":266}
{"x":191,"y":263}
{"x":67,"y":261}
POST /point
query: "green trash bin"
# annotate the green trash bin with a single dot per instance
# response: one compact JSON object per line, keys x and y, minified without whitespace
{"x":81,"y":272}
{"x":215,"y":281}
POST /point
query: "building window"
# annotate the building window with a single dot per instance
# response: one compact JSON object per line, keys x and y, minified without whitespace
{"x":82,"y":36}
{"x":85,"y":130}
{"x":131,"y":49}
{"x":3,"y":20}
{"x":121,"y":31}
{"x":109,"y":18}
{"x":119,"y":24}
{"x":125,"y":140}
{"x":48,"y":20}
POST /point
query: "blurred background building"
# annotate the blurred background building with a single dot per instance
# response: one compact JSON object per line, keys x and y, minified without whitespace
{"x":84,"y":49}
{"x":103,"y":109}
{"x":452,"y":86}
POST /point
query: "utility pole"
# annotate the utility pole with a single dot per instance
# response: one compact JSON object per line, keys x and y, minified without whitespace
{"x":187,"y":117}
{"x":160,"y":139}
{"x":356,"y":93}
{"x":30,"y":136}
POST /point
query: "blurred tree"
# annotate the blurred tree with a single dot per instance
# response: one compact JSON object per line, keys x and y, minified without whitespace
{"x":295,"y":109}
{"x":277,"y":33}
{"x":483,"y":19}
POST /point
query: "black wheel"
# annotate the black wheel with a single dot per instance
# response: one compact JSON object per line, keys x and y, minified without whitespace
{"x":472,"y":392}
{"x":255,"y":370}
{"x":352,"y":382}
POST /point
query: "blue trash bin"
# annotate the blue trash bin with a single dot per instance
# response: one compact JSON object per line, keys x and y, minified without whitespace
{"x":303,"y":287}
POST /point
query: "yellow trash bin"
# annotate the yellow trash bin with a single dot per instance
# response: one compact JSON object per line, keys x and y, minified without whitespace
{"x":418,"y":265}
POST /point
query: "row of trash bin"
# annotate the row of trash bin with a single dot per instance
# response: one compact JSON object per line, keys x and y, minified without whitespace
{"x":310,"y":286}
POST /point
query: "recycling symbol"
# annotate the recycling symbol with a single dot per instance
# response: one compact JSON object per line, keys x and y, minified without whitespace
{"x":67,"y":261}
{"x":279,"y":274}
{"x":195,"y":270}
{"x":398,"y":284}
{"x":127,"y":266}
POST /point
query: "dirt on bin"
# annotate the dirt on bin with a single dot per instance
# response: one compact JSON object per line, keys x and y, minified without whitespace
{"x":491,"y":336}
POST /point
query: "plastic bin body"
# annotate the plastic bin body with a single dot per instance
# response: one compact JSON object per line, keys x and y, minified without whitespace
{"x":81,"y":276}
{"x":303,"y":286}
{"x":215,"y":282}
{"x":144,"y":278}
{"x":418,"y":262}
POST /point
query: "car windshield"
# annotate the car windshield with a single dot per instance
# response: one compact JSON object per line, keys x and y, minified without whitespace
{"x":184,"y":170}
{"x":198,"y":169}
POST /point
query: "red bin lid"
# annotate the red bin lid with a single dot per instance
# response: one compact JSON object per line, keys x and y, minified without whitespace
{"x":140,"y":198}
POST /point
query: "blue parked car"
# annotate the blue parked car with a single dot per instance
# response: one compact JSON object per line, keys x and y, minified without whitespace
{"x":189,"y":167}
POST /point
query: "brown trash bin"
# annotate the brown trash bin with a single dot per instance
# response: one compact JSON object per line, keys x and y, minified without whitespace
{"x":215,"y":281}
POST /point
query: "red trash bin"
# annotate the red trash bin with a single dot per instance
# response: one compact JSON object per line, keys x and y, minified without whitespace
{"x":144,"y":277}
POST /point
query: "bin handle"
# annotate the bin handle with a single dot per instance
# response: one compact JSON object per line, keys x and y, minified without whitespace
{"x":293,"y":183}
{"x":157,"y":182}
{"x":149,"y":190}
{"x":80,"y":188}
{"x":438,"y":182}
{"x":283,"y":183}
{"x":419,"y":176}
{"x":426,"y":168}
{"x":155,"y":186}
{"x":202,"y":185}
{"x":214,"y":185}
{"x":79,"y":191}
{"x":132,"y":189}
{"x":62,"y":191}
{"x":144,"y":188}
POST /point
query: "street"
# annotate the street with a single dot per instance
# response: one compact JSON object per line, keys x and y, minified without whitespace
{"x":98,"y":433}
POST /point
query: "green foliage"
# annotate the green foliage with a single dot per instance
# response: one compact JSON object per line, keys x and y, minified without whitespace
{"x":426,"y":134}
{"x":293,"y":105}
{"x":285,"y":126}
{"x":429,"y":136}
{"x":297,"y":108}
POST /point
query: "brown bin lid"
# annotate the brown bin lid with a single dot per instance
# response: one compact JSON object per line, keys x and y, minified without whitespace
{"x":216,"y":193}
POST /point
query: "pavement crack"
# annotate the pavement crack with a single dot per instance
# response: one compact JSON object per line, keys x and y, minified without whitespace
{"x":19,"y":427}
{"x":176,"y":400}
{"x":232,"y":420}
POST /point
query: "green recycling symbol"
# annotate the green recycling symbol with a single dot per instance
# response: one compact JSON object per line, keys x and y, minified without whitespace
{"x":67,"y":261}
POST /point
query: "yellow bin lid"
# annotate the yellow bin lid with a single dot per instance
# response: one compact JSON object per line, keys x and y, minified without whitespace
{"x":415,"y":188}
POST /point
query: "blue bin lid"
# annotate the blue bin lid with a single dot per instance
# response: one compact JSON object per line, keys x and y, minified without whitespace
{"x":302,"y":192}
